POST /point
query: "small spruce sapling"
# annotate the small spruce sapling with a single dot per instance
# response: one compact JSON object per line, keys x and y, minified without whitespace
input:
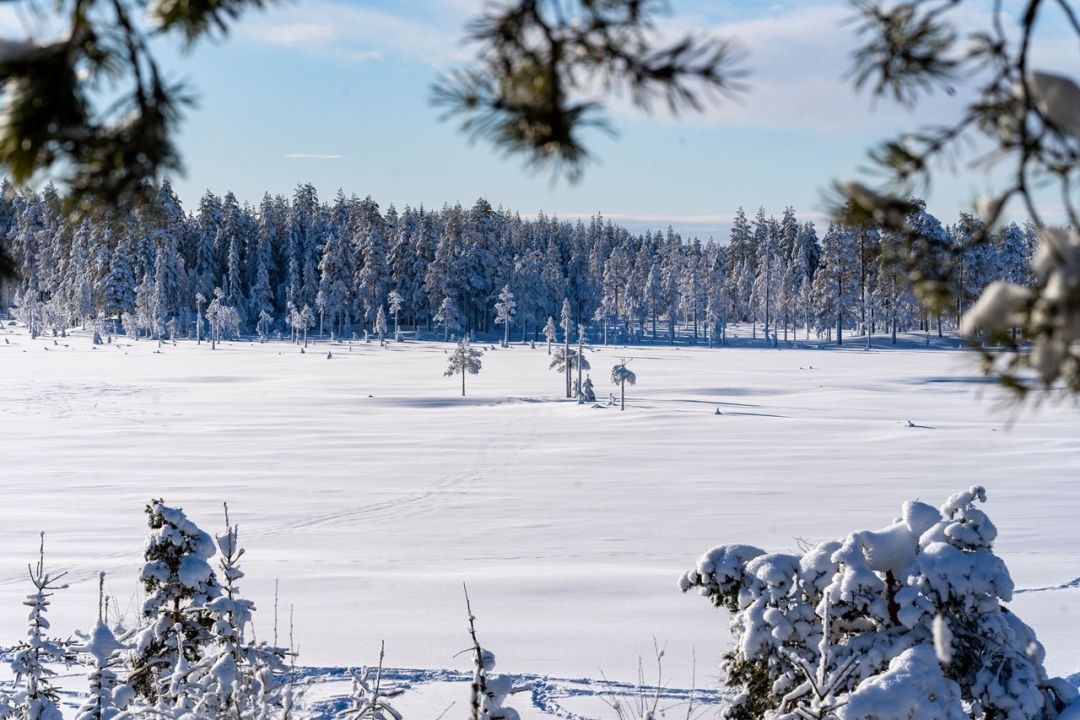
{"x":464,"y":360}
{"x":35,"y":696}
{"x":107,"y":696}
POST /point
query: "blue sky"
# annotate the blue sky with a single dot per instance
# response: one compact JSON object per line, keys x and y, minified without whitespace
{"x":335,"y":92}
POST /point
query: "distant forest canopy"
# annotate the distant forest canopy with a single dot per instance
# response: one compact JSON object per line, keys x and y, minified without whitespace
{"x":346,"y":266}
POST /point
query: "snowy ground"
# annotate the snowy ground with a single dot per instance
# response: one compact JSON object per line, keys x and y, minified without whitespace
{"x":371,"y":491}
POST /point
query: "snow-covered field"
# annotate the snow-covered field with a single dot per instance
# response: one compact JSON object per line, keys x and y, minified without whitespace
{"x":370,"y":490}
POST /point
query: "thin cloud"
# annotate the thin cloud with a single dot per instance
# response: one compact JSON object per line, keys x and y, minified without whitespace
{"x":356,"y":33}
{"x":312,"y":156}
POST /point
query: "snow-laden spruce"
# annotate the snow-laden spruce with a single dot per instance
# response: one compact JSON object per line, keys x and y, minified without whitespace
{"x":904,"y":622}
{"x":180,"y":585}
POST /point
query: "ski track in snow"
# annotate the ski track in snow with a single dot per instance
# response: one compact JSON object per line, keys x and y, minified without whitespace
{"x":1074,"y":583}
{"x":324,"y":691}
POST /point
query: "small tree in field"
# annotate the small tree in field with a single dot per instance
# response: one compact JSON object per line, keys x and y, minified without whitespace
{"x":266,"y":320}
{"x":200,"y":300}
{"x":620,"y":375}
{"x":588,"y":392}
{"x":567,"y":321}
{"x":300,"y":321}
{"x":549,"y":332}
{"x":447,"y":316}
{"x":223,"y":319}
{"x":566,"y":360}
{"x":582,"y":341}
{"x":380,"y":324}
{"x":394,"y":301}
{"x":464,"y":360}
{"x":903,"y":622}
{"x":504,"y":312}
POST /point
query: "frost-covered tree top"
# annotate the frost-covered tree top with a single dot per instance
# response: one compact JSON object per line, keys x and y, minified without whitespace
{"x":908,"y":621}
{"x":621,"y":374}
{"x":177,"y":566}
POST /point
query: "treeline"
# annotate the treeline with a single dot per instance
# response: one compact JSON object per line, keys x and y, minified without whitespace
{"x":345,"y":266}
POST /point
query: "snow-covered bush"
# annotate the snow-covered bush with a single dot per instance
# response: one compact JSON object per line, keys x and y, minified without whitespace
{"x":903,"y":622}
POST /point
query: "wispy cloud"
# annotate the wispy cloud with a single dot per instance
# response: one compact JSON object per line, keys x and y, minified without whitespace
{"x":357,"y":33}
{"x":312,"y":156}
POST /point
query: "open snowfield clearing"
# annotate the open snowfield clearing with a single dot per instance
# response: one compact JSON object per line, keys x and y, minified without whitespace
{"x":371,"y":490}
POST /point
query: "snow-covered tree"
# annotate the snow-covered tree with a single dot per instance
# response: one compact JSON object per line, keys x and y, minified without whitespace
{"x":588,"y":392}
{"x":836,"y":281}
{"x":620,"y":375}
{"x":464,"y":361}
{"x":300,"y":321}
{"x":504,"y":312}
{"x":566,"y":322}
{"x":903,"y":622}
{"x":549,"y":333}
{"x":36,"y":697}
{"x":394,"y":301}
{"x":263,"y":325}
{"x":180,"y":586}
{"x":568,"y":361}
{"x":447,"y":316}
{"x":107,"y":696}
{"x":379,"y":325}
{"x":224,"y":320}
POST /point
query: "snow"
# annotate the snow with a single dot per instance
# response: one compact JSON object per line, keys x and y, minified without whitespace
{"x":371,"y":490}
